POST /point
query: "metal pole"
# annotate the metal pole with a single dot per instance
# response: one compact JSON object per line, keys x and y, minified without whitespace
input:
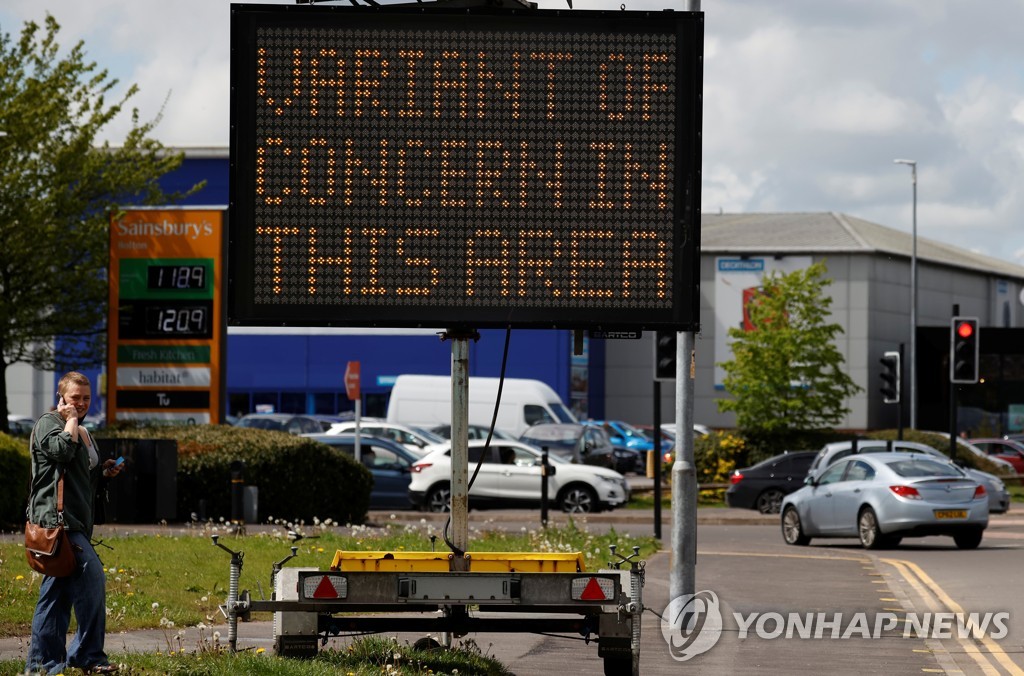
{"x":899,"y":404}
{"x":545,"y":468}
{"x":913,"y":294}
{"x":359,"y":452}
{"x":913,"y":305}
{"x":682,"y":577}
{"x":656,"y":459}
{"x":682,"y":574}
{"x":460,"y":440}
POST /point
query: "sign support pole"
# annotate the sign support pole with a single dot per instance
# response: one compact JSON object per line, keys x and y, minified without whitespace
{"x":682,"y":577}
{"x":460,"y":441}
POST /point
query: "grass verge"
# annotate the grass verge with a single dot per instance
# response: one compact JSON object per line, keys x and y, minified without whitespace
{"x":176,"y":578}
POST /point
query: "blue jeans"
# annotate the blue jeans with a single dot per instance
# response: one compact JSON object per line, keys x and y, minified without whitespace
{"x":85,"y":592}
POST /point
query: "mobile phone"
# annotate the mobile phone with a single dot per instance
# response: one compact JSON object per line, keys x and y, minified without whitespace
{"x":119,"y":461}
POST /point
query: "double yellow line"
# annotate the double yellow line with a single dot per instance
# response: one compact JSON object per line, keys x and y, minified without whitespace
{"x":939,"y":601}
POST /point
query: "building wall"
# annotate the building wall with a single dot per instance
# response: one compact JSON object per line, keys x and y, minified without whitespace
{"x":870,"y":301}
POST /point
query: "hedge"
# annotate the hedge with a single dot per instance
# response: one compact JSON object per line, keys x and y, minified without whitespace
{"x":15,"y":467}
{"x":298,"y":478}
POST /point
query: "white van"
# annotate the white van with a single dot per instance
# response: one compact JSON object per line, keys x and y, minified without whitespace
{"x":427,"y":401}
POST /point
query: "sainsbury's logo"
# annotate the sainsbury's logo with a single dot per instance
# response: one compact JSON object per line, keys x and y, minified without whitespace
{"x":165,"y":228}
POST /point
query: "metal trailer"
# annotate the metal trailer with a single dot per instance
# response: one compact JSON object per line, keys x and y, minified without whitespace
{"x":435,"y":592}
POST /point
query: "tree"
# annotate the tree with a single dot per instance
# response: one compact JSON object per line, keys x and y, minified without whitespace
{"x":58,"y":189}
{"x":786,"y":372}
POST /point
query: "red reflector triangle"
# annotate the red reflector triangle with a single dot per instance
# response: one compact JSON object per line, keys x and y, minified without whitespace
{"x":593,"y":591}
{"x":325,"y":590}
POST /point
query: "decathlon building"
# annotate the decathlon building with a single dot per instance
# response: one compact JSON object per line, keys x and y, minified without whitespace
{"x":301,"y":369}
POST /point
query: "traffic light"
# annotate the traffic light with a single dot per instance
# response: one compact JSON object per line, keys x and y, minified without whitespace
{"x":891,"y":377}
{"x":664,"y":355}
{"x":963,"y":350}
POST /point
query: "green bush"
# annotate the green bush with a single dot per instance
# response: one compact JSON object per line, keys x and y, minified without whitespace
{"x":761,"y":447}
{"x":15,"y":467}
{"x":298,"y":478}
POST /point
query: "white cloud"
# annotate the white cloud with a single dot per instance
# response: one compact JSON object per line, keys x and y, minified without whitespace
{"x":806,"y":103}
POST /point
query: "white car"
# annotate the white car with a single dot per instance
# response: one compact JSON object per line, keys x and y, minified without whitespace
{"x":418,"y":441}
{"x":510,"y":475}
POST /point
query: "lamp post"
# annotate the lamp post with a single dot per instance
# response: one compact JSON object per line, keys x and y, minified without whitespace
{"x":913,"y":296}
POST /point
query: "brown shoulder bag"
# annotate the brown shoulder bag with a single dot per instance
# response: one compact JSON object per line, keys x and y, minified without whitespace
{"x":49,"y":550}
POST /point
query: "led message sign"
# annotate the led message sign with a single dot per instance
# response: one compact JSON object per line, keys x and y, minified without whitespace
{"x":425,"y":167}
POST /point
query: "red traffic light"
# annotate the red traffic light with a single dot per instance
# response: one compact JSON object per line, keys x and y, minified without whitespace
{"x":965,"y":329}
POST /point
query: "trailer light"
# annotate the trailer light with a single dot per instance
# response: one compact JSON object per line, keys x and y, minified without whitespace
{"x":325,"y":587}
{"x":592,"y":589}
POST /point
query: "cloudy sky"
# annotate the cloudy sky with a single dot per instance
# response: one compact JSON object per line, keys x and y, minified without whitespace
{"x":806,"y":102}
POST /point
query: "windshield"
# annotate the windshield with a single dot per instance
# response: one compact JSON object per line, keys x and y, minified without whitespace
{"x":562,"y":413}
{"x":631,"y":432}
{"x":430,"y":436}
{"x":924,"y":467}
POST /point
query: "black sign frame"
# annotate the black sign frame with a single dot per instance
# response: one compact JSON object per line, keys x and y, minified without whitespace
{"x":248,"y":259}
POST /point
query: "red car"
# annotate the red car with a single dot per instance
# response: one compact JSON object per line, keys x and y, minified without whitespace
{"x":1004,"y":449}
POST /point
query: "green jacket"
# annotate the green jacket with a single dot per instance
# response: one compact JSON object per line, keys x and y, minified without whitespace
{"x":52,"y":450}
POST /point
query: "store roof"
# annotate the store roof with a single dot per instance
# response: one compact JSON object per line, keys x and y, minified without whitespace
{"x":830,"y":232}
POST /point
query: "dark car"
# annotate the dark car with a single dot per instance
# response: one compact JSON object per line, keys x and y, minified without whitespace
{"x":763,"y":486}
{"x":573,"y":442}
{"x":281,"y":422}
{"x":390,"y":464}
{"x":631,"y":444}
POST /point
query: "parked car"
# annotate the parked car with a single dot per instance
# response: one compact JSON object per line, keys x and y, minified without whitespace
{"x":763,"y":485}
{"x":282,"y":422}
{"x":419,"y":442}
{"x":510,"y":475}
{"x":884,"y":497}
{"x":998,"y":496}
{"x":964,"y":447}
{"x":698,"y":429}
{"x":388,"y":462}
{"x":575,"y":442}
{"x":1005,"y":449}
{"x":20,"y":426}
{"x":475,"y":432}
{"x":629,"y":438}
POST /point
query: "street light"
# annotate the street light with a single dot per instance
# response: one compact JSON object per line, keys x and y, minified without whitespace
{"x":912,"y":389}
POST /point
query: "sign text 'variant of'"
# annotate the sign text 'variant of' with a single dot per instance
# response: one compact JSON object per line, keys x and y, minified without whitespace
{"x":402,"y":167}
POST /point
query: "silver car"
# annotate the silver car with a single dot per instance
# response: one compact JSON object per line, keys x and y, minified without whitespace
{"x":884,"y":497}
{"x":998,"y":496}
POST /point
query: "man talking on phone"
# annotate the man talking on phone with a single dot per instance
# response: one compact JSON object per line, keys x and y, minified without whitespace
{"x":60,"y":444}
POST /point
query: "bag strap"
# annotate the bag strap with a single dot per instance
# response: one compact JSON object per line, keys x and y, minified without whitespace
{"x":60,"y":483}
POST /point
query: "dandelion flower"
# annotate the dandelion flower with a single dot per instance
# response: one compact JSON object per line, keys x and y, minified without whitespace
{"x":155,"y":605}
{"x":19,"y":577}
{"x":260,"y":651}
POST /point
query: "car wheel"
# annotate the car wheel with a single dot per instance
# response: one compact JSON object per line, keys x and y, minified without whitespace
{"x":578,"y":499}
{"x":792,"y":529}
{"x":439,"y":499}
{"x":968,"y":539}
{"x":867,"y":527}
{"x":770,"y":502}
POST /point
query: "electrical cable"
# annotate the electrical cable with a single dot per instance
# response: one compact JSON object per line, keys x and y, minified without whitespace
{"x":487,"y":443}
